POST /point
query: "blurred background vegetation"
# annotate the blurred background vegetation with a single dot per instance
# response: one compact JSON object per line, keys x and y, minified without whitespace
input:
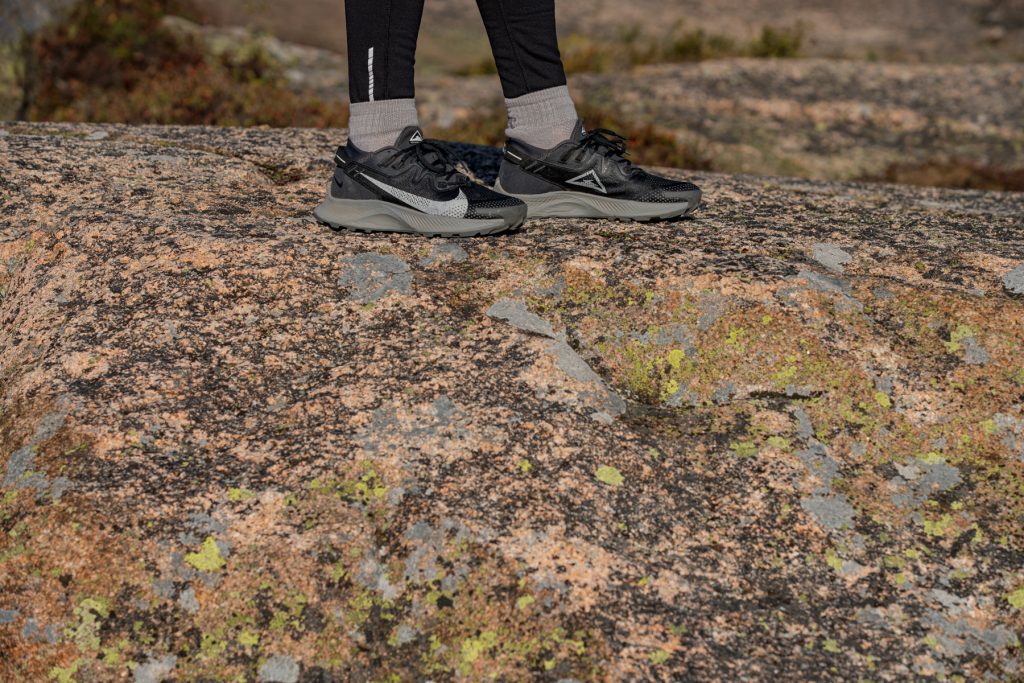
{"x":253,"y":62}
{"x":120,"y":61}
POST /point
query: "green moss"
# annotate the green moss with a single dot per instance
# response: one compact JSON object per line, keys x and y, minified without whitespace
{"x":744,"y":449}
{"x":785,"y":376}
{"x":524,"y":602}
{"x":1016,"y":598}
{"x":830,"y":646}
{"x":659,"y":657}
{"x":882,"y":399}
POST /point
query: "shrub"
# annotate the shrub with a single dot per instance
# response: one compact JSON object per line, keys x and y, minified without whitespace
{"x":778,"y":42}
{"x":115,"y":61}
{"x":954,"y":174}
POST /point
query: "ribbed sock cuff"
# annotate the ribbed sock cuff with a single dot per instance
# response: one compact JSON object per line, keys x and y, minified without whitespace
{"x":376,"y":125}
{"x":544,"y":119}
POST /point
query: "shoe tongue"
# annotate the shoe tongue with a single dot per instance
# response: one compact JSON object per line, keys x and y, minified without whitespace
{"x":412,"y":135}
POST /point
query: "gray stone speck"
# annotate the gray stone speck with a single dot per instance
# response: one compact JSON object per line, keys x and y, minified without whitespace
{"x":188,"y":601}
{"x":824,"y":283}
{"x":938,"y":476}
{"x":444,"y":409}
{"x":831,"y":256}
{"x":573,"y":365}
{"x":832,"y":512}
{"x":1014,"y":280}
{"x":163,"y":587}
{"x":8,"y":616}
{"x":910,"y":472}
{"x":873,"y":617}
{"x":445,"y":251}
{"x":155,"y":670}
{"x":49,"y":425}
{"x":20,"y":463}
{"x":712,"y":307}
{"x":804,"y":427}
{"x":518,"y":316}
{"x":405,"y":634}
{"x":59,"y":487}
{"x":279,"y":669}
{"x":952,"y":603}
{"x":555,"y":290}
{"x":883,"y":293}
{"x":371,"y":277}
{"x":724,"y":394}
{"x":821,"y":465}
{"x":420,"y":531}
{"x":975,"y":354}
{"x":98,"y":135}
{"x":683,"y":397}
{"x":680,"y":336}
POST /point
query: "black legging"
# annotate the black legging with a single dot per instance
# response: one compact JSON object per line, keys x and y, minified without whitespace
{"x":382,"y":46}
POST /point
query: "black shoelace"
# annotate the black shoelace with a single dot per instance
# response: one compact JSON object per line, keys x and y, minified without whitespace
{"x":436,"y":157}
{"x":607,"y":143}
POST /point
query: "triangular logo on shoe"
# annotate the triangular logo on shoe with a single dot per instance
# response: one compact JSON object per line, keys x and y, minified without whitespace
{"x":589,"y":180}
{"x":416,"y":138}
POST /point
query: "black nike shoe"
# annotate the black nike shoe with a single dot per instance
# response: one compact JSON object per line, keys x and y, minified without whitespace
{"x":413,"y":187}
{"x":588,"y":176}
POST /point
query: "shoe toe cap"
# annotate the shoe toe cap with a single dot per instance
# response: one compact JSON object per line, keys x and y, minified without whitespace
{"x":681,"y":191}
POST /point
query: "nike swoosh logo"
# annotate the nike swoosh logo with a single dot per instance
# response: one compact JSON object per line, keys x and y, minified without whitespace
{"x":455,"y":208}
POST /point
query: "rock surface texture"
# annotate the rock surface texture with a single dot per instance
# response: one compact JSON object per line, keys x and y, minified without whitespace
{"x":784,"y":440}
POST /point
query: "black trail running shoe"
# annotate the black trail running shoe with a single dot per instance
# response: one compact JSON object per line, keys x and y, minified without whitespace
{"x":588,"y":176}
{"x":413,"y":187}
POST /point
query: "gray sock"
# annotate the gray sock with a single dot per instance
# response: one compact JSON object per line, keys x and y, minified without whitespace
{"x":376,"y":125}
{"x":543,"y":119}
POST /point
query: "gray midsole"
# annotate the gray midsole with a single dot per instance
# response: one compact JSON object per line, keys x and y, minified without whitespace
{"x":369,"y":214}
{"x":581,"y":205}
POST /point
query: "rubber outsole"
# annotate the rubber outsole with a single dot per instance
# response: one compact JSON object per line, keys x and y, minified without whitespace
{"x":371,"y":216}
{"x":582,"y":205}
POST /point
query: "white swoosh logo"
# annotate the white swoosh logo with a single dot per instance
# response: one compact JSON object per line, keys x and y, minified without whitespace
{"x":455,"y":208}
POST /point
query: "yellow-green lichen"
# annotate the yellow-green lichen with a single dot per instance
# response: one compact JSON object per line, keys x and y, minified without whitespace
{"x":606,"y":474}
{"x":208,"y":559}
{"x":472,"y":648}
{"x":238,"y":495}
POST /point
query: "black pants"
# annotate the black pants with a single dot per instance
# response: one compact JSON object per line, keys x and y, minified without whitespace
{"x":382,"y":46}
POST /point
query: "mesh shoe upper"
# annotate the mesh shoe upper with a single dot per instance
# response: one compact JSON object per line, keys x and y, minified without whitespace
{"x":418,"y":174}
{"x":593,"y":163}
